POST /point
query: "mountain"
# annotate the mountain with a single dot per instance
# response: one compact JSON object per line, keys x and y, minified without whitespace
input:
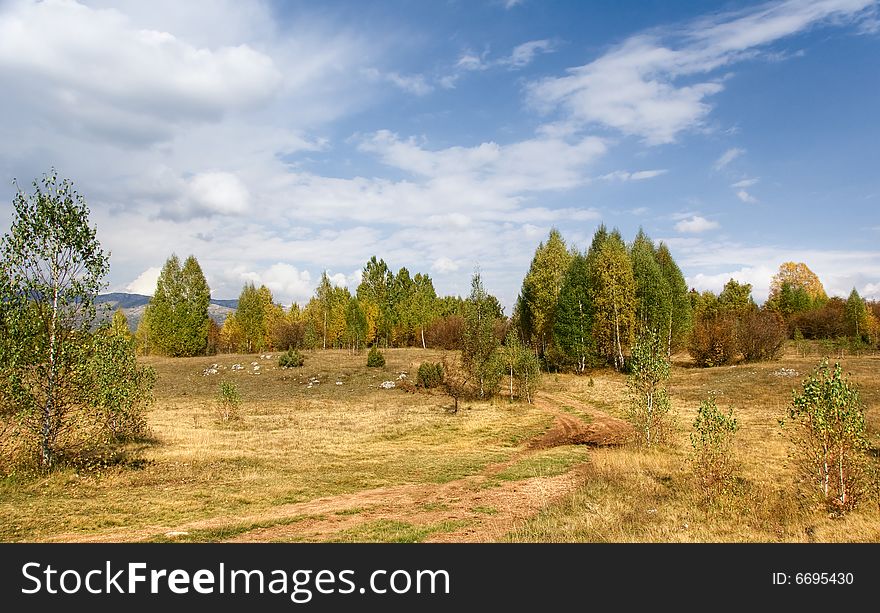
{"x":133,"y":306}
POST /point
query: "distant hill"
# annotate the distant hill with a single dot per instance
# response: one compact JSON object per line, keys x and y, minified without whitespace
{"x":133,"y":306}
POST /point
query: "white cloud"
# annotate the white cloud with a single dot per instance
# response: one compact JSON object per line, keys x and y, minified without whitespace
{"x":744,"y":183}
{"x":509,"y":4}
{"x":727,"y":157}
{"x":522,"y":55}
{"x":871,"y":291}
{"x":757,"y":276}
{"x":339,"y":279}
{"x":746,"y":196}
{"x":415,"y":84}
{"x":444,"y":265}
{"x":146,"y":282}
{"x":218,"y":192}
{"x":695,"y":224}
{"x":106,"y":74}
{"x":649,"y":86}
{"x":286,"y":282}
{"x":639,"y":175}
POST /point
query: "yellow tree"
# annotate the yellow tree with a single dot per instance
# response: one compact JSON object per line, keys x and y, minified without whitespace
{"x":797,"y":276}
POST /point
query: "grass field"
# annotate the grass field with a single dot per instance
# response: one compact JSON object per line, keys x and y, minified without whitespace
{"x":322,"y":453}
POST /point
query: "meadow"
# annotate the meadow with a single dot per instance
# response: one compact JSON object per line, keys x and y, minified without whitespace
{"x":323,"y":453}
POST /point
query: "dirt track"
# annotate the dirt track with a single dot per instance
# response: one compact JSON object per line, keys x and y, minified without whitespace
{"x":487,"y":508}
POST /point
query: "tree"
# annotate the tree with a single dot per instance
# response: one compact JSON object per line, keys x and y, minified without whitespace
{"x":52,"y":270}
{"x":856,"y":316}
{"x":355,"y":324}
{"x":424,"y":304}
{"x":324,"y":296}
{"x":653,"y":296}
{"x":373,"y":293}
{"x":613,"y":287}
{"x":649,"y":407}
{"x":521,"y":368}
{"x":736,"y":298}
{"x":573,"y":327}
{"x":250,"y":320}
{"x":712,"y":447}
{"x":119,"y":325}
{"x":680,"y":315}
{"x":177,"y":314}
{"x":831,"y":436}
{"x":540,"y":291}
{"x":799,"y":277}
{"x":478,"y":338}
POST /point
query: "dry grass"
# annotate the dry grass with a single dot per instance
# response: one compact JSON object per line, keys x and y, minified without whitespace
{"x":356,"y":462}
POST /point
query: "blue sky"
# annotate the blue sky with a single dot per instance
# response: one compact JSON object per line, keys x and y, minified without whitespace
{"x":277,"y":140}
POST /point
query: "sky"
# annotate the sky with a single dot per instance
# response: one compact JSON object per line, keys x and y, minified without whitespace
{"x":277,"y":140}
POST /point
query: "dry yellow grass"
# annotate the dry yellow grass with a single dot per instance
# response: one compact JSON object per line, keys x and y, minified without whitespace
{"x":356,"y":462}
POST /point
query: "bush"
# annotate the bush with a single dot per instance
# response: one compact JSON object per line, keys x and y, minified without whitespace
{"x":712,"y":440}
{"x":649,"y":409}
{"x":430,"y":375}
{"x":831,"y":437}
{"x":761,"y":335}
{"x":375,"y":359}
{"x":445,"y":332}
{"x":291,"y":359}
{"x":228,"y":401}
{"x":713,"y":341}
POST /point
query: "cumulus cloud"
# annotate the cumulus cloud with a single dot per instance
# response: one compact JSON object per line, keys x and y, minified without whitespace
{"x":444,"y":265}
{"x":695,"y":225}
{"x":657,"y":84}
{"x":145,"y":283}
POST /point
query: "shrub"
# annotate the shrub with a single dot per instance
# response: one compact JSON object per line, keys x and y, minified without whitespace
{"x":291,"y":359}
{"x":713,"y":341}
{"x":712,"y":441}
{"x":445,"y":332}
{"x":375,"y":359}
{"x":228,"y":401}
{"x":430,"y":375}
{"x":831,"y":437}
{"x":649,"y":409}
{"x":760,"y":335}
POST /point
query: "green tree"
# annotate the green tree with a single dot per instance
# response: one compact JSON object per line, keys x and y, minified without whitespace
{"x":119,"y":324}
{"x":736,"y":298}
{"x":424,"y":304}
{"x":177,"y":315}
{"x":250,"y":319}
{"x":856,"y":316}
{"x":373,"y":293}
{"x":653,"y":296}
{"x":355,"y":324}
{"x":649,"y":409}
{"x":680,"y":314}
{"x":52,"y":270}
{"x":478,"y":338}
{"x":613,"y":287}
{"x":324,"y":296}
{"x":573,"y":327}
{"x":712,"y":447}
{"x":540,"y":291}
{"x":831,"y":436}
{"x":520,"y":367}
